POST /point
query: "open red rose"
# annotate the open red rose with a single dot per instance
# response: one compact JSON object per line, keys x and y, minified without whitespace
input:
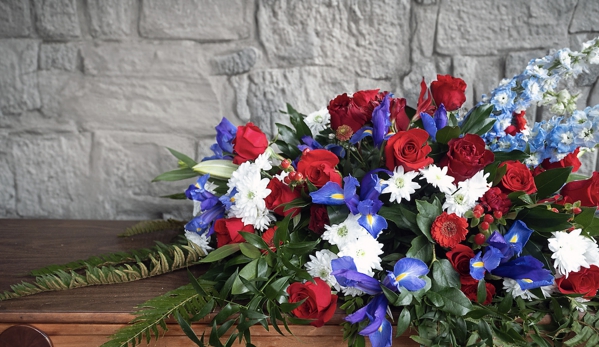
{"x":496,"y":200}
{"x":449,"y":91}
{"x":569,"y":160}
{"x":585,"y":281}
{"x":249,"y":143}
{"x":585,"y":191}
{"x":470,"y":290}
{"x":354,"y":111}
{"x":227,"y":231}
{"x":459,"y":257}
{"x":409,"y":149}
{"x":318,"y":167}
{"x":449,"y":229}
{"x":320,"y":304}
{"x":280,"y":193}
{"x":319,"y":217}
{"x":466,"y":156}
{"x":517,"y":178}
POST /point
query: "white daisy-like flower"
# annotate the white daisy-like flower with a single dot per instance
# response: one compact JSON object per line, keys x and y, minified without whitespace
{"x":318,"y":121}
{"x":249,"y":201}
{"x":245,"y":169}
{"x":457,"y":203}
{"x":467,"y":194}
{"x":320,"y":266}
{"x":365,"y":251}
{"x":401,"y":185}
{"x":569,"y":250}
{"x":439,"y":178}
{"x":263,"y":161}
{"x":346,"y":232}
{"x":592,"y":251}
{"x":199,"y":240}
{"x":351,"y":291}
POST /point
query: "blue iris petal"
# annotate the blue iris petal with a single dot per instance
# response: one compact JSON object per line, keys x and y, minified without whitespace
{"x":371,"y":187}
{"x":526,"y":267}
{"x":330,"y":194}
{"x":440,"y":117}
{"x":477,"y":267}
{"x":429,"y":125}
{"x":382,"y":337}
{"x":225,"y":133}
{"x":527,"y":283}
{"x":406,"y":273}
{"x":496,"y":240}
{"x":336,"y":149}
{"x":361,"y":134}
{"x":488,"y":262}
{"x":202,"y":223}
{"x":381,"y":121}
{"x":371,"y":221}
{"x":375,"y":312}
{"x":350,"y":185}
{"x":518,"y":236}
{"x":355,"y":279}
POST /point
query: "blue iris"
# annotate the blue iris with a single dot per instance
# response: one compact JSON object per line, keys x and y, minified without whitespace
{"x":406,"y":274}
{"x":434,"y":123}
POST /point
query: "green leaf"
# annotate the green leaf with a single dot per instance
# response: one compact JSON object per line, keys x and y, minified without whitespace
{"x":287,"y":141}
{"x":506,"y":303}
{"x":300,"y":248}
{"x":196,"y":285}
{"x":588,"y":221}
{"x":220,"y":253}
{"x":543,"y":220}
{"x":540,"y":341}
{"x":478,"y":121}
{"x":485,"y":332}
{"x":250,"y":250}
{"x":444,"y":276}
{"x":187,"y":329}
{"x":421,"y":249}
{"x":447,"y":133}
{"x":297,"y":120}
{"x":226,"y":312}
{"x":500,"y":157}
{"x":428,"y":212}
{"x":176,"y":175}
{"x":481,"y":291}
{"x":182,"y":157}
{"x":403,"y":322}
{"x":275,"y":289}
{"x":456,"y":302}
{"x":400,"y":216}
{"x":254,"y":240}
{"x":436,"y":299}
{"x":551,"y":181}
{"x":206,"y":309}
{"x":255,"y":268}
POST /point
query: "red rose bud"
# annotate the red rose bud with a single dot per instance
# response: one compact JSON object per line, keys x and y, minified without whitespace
{"x":517,"y":178}
{"x":227,"y":231}
{"x":318,"y":167}
{"x":409,"y":149}
{"x":520,"y":120}
{"x":249,"y":143}
{"x":449,"y":91}
{"x":570,"y":160}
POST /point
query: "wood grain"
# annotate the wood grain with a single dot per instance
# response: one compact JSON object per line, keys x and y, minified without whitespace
{"x":86,"y":316}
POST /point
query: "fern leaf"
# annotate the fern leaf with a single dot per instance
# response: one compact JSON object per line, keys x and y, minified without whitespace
{"x":151,"y":316}
{"x":151,"y":226}
{"x":161,"y":261}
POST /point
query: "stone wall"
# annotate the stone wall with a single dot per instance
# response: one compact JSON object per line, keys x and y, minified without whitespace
{"x":92,"y":91}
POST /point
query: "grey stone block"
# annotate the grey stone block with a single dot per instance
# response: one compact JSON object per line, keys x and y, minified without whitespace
{"x":171,"y":59}
{"x":423,"y":40}
{"x":57,"y":19}
{"x":15,"y":18}
{"x":7,"y":180}
{"x":359,"y":36}
{"x":195,"y":20}
{"x":18,"y":78}
{"x":516,"y":62}
{"x":59,"y":56}
{"x":490,"y":26}
{"x":586,"y":17}
{"x":110,"y":19}
{"x":481,"y":74}
{"x":235,"y":63}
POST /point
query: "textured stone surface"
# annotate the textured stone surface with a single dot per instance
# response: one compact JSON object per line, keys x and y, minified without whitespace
{"x":179,"y":59}
{"x":207,"y":20}
{"x":490,"y":26}
{"x":110,"y":19}
{"x":235,"y":63}
{"x":52,"y":176}
{"x":61,"y":56}
{"x":141,"y":104}
{"x":330,"y":33}
{"x":57,"y":19}
{"x":124,"y":164}
{"x":586,"y":17}
{"x":7,"y":180}
{"x":15,"y":18}
{"x":18,"y":79}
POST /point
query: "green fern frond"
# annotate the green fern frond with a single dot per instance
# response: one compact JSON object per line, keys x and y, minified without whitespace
{"x":151,"y":226}
{"x":162,"y":259}
{"x":153,"y":313}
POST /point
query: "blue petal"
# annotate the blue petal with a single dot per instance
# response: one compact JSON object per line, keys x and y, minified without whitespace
{"x":373,"y":223}
{"x":343,"y":263}
{"x":526,"y":267}
{"x":406,"y":273}
{"x":361,"y":134}
{"x":527,"y":283}
{"x":496,"y":240}
{"x":355,"y":279}
{"x":357,"y":316}
{"x":477,"y":267}
{"x":336,"y":149}
{"x":350,"y":185}
{"x":518,"y":236}
{"x":429,"y":124}
{"x":377,"y":309}
{"x":225,"y":133}
{"x":381,"y":121}
{"x":330,"y":194}
{"x":440,"y":117}
{"x":371,"y":187}
{"x":492,"y":258}
{"x":382,"y":337}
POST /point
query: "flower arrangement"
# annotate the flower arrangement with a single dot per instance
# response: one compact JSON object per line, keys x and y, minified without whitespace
{"x":468,"y":226}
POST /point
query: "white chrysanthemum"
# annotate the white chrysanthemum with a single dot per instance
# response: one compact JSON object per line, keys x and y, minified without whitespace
{"x":439,"y":178}
{"x":351,"y":291}
{"x":365,"y":251}
{"x":401,"y":185}
{"x":592,"y":251}
{"x":249,"y":200}
{"x":245,"y":169}
{"x":457,"y":203}
{"x":467,"y":194}
{"x":199,"y":240}
{"x":263,"y":161}
{"x":320,"y":266}
{"x":346,"y":232}
{"x":318,"y":121}
{"x":568,"y":251}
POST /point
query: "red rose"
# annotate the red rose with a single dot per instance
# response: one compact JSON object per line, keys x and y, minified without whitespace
{"x":318,"y":167}
{"x":517,"y":178}
{"x":227,"y":231}
{"x":319,"y":217}
{"x":466,"y":157}
{"x":449,"y":91}
{"x":470,"y":291}
{"x":569,"y":160}
{"x":408,"y":149}
{"x":459,"y":257}
{"x":249,"y":143}
{"x":320,"y":304}
{"x":587,"y":191}
{"x":268,"y":237}
{"x":449,"y":229}
{"x":280,"y":193}
{"x":495,"y":200}
{"x":585,"y":281}
{"x":354,"y":111}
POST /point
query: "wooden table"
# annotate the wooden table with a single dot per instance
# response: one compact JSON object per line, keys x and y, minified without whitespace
{"x":87,"y":316}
